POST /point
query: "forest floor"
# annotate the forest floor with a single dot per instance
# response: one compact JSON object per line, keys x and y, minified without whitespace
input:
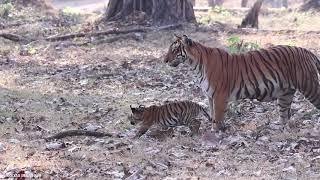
{"x":47,"y":87}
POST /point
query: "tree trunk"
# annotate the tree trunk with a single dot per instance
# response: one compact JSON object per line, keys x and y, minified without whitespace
{"x":219,"y":2}
{"x":251,"y":19}
{"x":157,"y":12}
{"x":212,"y":3}
{"x":274,"y":3}
{"x":277,"y":3}
{"x":310,"y":5}
{"x":193,"y":2}
{"x":244,"y":3}
{"x":285,"y":3}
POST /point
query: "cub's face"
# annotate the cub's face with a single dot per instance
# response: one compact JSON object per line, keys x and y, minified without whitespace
{"x":175,"y":54}
{"x":137,"y":115}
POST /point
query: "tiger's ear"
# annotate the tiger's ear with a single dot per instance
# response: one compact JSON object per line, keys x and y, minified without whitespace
{"x":186,"y":41}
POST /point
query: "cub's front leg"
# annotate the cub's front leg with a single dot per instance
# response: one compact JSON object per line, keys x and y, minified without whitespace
{"x":142,"y":130}
{"x":194,"y":127}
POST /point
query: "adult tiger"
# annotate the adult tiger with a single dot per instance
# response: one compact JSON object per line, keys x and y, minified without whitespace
{"x":265,"y":74}
{"x":171,"y":114}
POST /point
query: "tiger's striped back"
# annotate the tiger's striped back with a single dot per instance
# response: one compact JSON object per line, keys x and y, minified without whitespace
{"x":265,"y":74}
{"x":171,"y":114}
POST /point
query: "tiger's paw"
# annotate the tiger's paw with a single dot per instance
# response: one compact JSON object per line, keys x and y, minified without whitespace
{"x":221,"y":127}
{"x":212,"y":137}
{"x":194,"y":135}
{"x":135,"y":137}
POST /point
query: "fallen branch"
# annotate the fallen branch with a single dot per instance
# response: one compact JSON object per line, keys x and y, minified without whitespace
{"x":114,"y":31}
{"x":170,"y":27}
{"x":64,"y":134}
{"x":12,"y":37}
{"x":18,"y":38}
{"x":120,"y":37}
{"x":7,"y":26}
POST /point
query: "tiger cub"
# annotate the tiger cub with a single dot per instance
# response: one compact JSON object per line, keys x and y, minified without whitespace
{"x":171,"y":114}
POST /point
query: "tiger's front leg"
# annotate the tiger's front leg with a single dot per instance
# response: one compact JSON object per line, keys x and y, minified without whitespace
{"x":219,"y":111}
{"x":284,"y":102}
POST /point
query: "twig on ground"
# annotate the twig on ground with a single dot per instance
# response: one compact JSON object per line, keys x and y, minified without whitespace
{"x":116,"y":38}
{"x":63,"y":134}
{"x":134,"y":175}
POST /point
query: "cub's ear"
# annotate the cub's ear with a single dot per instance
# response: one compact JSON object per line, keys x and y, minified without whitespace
{"x":177,"y":37}
{"x":133,"y":109}
{"x":186,"y":41}
{"x":138,"y":109}
{"x":141,"y":106}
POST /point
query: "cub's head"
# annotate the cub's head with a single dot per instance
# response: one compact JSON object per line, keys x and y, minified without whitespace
{"x":177,"y":51}
{"x":137,"y":114}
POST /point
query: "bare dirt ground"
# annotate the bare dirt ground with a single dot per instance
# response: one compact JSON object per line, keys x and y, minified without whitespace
{"x":47,"y":87}
{"x":83,"y":6}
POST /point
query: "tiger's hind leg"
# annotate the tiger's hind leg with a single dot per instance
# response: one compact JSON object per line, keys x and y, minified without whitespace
{"x":194,"y":127}
{"x":211,"y":104}
{"x":219,"y":111}
{"x":313,"y":95}
{"x":284,"y":102}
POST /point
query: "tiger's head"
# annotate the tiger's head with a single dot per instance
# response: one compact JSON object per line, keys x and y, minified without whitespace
{"x":137,"y":114}
{"x":177,"y":51}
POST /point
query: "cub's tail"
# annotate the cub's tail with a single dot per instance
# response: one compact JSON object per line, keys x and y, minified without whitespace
{"x":205,"y":113}
{"x":316,"y":59}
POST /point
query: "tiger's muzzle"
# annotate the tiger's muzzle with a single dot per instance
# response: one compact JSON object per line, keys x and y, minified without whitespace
{"x":174,"y":63}
{"x":178,"y":60}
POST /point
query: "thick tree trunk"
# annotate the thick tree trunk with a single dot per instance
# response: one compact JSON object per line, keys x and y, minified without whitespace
{"x":159,"y":12}
{"x":251,"y":19}
{"x":311,"y":5}
{"x":193,"y":2}
{"x":244,"y":3}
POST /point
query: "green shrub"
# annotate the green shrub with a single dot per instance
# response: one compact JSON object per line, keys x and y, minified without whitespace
{"x":237,"y":45}
{"x":69,"y":16}
{"x":204,"y":20}
{"x":220,"y":10}
{"x":5,"y":9}
{"x":70,"y":11}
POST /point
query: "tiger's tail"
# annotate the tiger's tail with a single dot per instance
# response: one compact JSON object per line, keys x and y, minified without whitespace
{"x":317,"y":61}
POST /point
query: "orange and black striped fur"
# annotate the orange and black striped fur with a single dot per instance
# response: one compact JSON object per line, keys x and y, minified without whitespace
{"x":265,"y":74}
{"x":171,"y":114}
